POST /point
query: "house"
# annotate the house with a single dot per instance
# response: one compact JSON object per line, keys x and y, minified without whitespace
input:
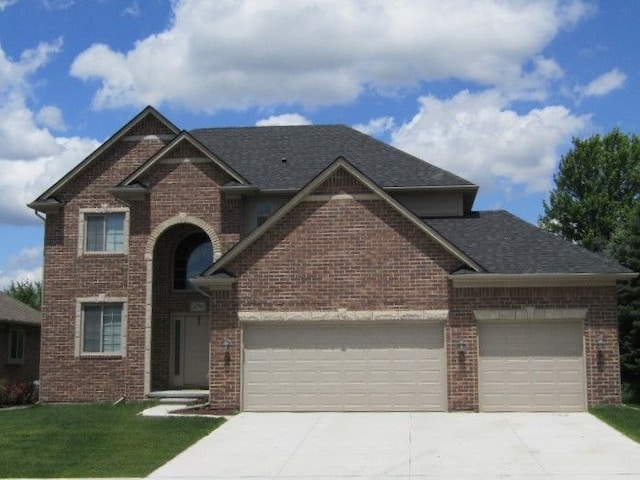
{"x":19,"y":341}
{"x":310,"y":268}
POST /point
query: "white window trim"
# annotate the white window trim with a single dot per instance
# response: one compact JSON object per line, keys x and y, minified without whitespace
{"x":100,"y":299}
{"x":17,"y":361}
{"x":82,"y":228}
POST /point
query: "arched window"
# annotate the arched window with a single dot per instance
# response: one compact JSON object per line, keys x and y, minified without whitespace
{"x":193,"y":255}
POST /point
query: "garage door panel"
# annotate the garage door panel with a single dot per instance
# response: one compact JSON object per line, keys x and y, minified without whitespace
{"x":341,"y":367}
{"x":536,"y":366}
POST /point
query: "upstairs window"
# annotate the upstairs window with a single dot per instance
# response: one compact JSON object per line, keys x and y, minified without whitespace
{"x":264,"y":210}
{"x":16,"y":345}
{"x":105,"y":232}
{"x":193,"y":256}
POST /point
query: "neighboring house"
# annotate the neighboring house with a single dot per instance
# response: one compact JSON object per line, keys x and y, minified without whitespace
{"x":310,"y":268}
{"x":19,"y":341}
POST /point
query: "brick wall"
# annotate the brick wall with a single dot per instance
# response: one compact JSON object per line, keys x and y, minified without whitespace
{"x":175,"y":188}
{"x":602,"y":368}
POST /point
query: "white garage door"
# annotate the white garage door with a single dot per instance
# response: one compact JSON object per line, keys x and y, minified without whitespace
{"x":344,"y":368}
{"x":531,"y":367}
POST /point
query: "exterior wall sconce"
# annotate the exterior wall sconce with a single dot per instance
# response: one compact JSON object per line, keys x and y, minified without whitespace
{"x":462,"y":346}
{"x":600,"y":343}
{"x":227,"y":354}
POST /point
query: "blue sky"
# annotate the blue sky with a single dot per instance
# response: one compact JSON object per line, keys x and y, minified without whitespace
{"x":491,"y":90}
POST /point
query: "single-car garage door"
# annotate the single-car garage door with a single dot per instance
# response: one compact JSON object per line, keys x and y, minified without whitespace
{"x":531,"y":366}
{"x":344,"y":367}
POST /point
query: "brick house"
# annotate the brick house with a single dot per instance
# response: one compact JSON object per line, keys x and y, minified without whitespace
{"x":310,"y":268}
{"x":19,"y":341}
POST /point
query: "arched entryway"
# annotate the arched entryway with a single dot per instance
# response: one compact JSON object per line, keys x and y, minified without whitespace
{"x":178,"y":314}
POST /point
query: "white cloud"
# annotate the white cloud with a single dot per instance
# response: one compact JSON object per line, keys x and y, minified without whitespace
{"x":132,"y":10}
{"x":30,"y":153}
{"x":26,"y":265}
{"x":283,"y":120}
{"x":51,"y":117}
{"x":376,"y":126}
{"x":57,"y":4}
{"x":479,"y":137}
{"x":6,"y":3}
{"x":234,"y":55}
{"x":604,"y":84}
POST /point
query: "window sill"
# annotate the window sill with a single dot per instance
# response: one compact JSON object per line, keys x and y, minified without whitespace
{"x":100,"y":355}
{"x":15,"y":362}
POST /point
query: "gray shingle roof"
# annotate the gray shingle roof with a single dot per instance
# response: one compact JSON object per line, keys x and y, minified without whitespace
{"x":502,"y":243}
{"x":257,"y":153}
{"x":12,"y":310}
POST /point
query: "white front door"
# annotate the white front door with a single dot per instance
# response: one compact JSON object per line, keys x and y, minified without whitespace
{"x":189,"y":350}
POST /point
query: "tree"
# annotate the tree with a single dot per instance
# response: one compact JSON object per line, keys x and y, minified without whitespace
{"x":596,"y":187}
{"x":26,"y":291}
{"x":625,"y":246}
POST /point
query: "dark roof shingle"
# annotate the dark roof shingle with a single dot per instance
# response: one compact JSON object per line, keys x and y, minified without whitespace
{"x":502,"y":243}
{"x":12,"y":310}
{"x":287,"y":158}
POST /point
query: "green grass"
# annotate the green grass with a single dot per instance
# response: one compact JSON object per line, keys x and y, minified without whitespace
{"x":625,"y":419}
{"x":98,"y":440}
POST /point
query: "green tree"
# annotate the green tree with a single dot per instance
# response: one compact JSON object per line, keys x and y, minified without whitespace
{"x":27,"y":291}
{"x":596,"y":186}
{"x":625,"y":246}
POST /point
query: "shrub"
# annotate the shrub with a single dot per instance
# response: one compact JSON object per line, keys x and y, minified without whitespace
{"x":18,"y":393}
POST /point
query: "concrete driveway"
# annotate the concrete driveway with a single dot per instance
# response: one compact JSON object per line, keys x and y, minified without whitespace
{"x":409,"y":446}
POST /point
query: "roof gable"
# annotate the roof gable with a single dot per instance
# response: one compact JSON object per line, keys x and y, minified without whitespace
{"x":308,"y":190}
{"x":133,"y":127}
{"x":177,"y":142}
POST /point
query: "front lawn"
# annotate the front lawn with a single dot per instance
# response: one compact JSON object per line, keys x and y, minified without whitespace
{"x":97,"y":440}
{"x":625,"y":419}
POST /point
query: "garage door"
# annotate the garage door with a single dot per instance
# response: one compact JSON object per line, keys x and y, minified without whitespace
{"x":533,"y":366}
{"x":344,"y":368}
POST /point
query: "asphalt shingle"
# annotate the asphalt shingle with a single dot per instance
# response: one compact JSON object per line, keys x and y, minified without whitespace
{"x":287,"y":158}
{"x":12,"y":310}
{"x":503,"y":243}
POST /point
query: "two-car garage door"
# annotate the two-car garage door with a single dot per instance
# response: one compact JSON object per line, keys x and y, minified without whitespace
{"x":346,"y":367}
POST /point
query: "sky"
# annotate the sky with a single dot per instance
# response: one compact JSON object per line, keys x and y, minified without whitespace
{"x":492,"y":90}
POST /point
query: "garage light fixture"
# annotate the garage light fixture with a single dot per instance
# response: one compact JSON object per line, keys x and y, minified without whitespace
{"x":462,"y":345}
{"x":600,"y":343}
{"x":227,"y":344}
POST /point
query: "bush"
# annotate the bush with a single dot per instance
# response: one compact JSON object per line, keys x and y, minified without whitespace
{"x":21,"y":393}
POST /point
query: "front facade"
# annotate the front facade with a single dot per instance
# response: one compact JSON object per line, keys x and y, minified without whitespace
{"x":310,"y":268}
{"x":19,"y":341}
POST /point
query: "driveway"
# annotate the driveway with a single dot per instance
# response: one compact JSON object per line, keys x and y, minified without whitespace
{"x":409,"y":446}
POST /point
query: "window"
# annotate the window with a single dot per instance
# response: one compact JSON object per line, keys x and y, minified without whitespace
{"x":105,"y":233}
{"x":264,"y":210}
{"x":103,"y":230}
{"x":16,"y":345}
{"x":102,"y":328}
{"x":193,"y":256}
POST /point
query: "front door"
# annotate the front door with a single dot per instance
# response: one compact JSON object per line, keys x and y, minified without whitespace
{"x":189,"y":350}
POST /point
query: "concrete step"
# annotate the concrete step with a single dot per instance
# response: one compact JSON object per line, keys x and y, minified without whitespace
{"x":181,"y":401}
